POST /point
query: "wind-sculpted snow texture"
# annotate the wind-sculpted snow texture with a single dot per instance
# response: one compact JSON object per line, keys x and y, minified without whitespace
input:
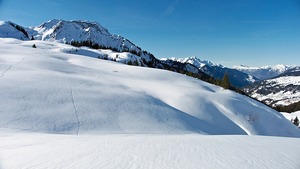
{"x":46,"y":89}
{"x":189,"y":151}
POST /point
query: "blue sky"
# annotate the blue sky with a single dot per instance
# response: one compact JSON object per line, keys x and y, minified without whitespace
{"x":230,"y":32}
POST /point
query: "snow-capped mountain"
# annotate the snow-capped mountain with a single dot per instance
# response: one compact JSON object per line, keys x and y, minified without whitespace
{"x":194,"y":61}
{"x":217,"y":71}
{"x":282,"y":90}
{"x":91,"y":34}
{"x":68,"y":31}
{"x":265,"y":72}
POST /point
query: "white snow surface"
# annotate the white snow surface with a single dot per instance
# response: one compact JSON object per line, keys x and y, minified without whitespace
{"x":22,"y":150}
{"x":49,"y":90}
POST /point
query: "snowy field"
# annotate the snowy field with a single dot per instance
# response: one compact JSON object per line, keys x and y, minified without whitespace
{"x":63,"y":110}
{"x":191,"y":151}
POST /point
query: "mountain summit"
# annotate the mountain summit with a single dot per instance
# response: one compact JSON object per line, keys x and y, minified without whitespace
{"x":68,"y":31}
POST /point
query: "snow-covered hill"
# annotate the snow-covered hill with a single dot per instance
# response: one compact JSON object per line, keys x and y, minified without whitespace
{"x":265,"y":72}
{"x":217,"y":71}
{"x":49,"y":89}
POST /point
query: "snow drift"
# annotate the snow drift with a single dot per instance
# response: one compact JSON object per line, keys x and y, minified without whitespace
{"x":46,"y":89}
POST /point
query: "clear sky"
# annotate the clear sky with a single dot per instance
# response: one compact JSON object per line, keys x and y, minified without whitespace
{"x":230,"y":32}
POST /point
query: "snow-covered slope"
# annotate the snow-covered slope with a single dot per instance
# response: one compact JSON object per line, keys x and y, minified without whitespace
{"x":265,"y":72}
{"x":47,"y":89}
{"x":217,"y":71}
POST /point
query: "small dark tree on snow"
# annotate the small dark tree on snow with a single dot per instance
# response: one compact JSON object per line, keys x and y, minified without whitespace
{"x":296,"y":121}
{"x":33,"y":46}
{"x":32,"y":38}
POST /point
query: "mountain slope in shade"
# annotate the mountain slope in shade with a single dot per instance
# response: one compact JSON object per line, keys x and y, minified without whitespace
{"x":217,"y":71}
{"x":265,"y":72}
{"x":46,"y":89}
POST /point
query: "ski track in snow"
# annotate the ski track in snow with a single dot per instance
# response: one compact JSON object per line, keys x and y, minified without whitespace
{"x":10,"y":67}
{"x":75,"y":111}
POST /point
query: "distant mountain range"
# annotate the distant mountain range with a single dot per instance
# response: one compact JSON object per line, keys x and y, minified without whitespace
{"x":237,"y":78}
{"x":265,"y":72}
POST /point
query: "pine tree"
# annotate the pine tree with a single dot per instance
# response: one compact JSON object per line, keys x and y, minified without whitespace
{"x":225,"y":83}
